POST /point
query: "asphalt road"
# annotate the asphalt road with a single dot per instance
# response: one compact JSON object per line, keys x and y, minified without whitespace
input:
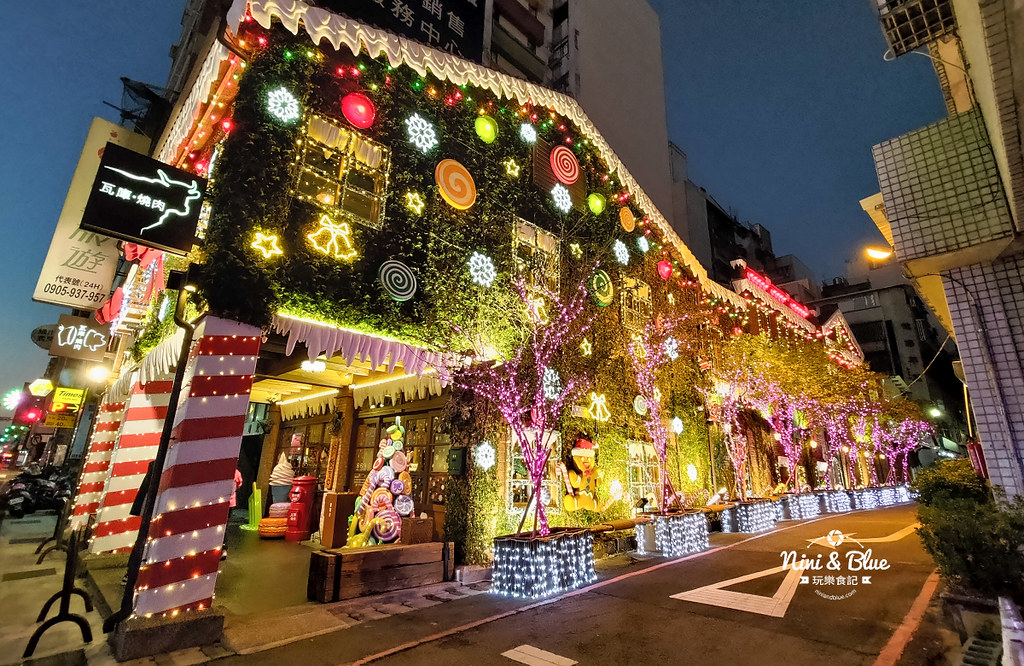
{"x":630,"y":615}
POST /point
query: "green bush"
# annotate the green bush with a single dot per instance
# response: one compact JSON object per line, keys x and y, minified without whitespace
{"x":977,"y":545}
{"x":951,"y":479}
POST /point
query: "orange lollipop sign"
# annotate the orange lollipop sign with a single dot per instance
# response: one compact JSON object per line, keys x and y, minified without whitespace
{"x":455,"y":183}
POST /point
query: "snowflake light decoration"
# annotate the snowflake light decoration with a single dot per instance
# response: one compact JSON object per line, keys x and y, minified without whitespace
{"x":621,"y":253}
{"x":484,"y":455}
{"x":552,"y":384}
{"x":643,"y":244}
{"x":527,"y":133}
{"x":563,"y":201}
{"x":282,"y":105}
{"x":672,"y":348}
{"x":421,"y":133}
{"x":481,"y":269}
{"x":677,"y":425}
{"x":13,"y":398}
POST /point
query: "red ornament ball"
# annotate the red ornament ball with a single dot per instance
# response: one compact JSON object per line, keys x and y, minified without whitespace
{"x":665,"y":269}
{"x":358,"y":110}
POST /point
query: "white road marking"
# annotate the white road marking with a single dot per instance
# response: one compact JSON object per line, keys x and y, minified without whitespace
{"x":774,"y":606}
{"x":895,"y":536}
{"x":534,"y":656}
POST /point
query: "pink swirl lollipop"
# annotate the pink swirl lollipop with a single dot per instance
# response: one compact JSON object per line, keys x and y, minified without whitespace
{"x":388,"y":526}
{"x":381,"y":498}
{"x":378,"y":462}
{"x":399,"y":462}
{"x":403,"y":505}
{"x":564,"y":165}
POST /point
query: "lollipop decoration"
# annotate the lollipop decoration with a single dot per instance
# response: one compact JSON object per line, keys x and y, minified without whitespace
{"x":455,"y":183}
{"x":384,"y":499}
{"x":398,"y":280}
{"x":564,"y":165}
{"x":601,"y":289}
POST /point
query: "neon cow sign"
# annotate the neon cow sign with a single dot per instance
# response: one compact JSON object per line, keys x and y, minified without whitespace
{"x":776,"y":293}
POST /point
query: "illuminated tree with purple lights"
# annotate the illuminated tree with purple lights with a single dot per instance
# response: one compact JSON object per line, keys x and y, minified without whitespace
{"x":648,"y":352}
{"x":522,"y":387}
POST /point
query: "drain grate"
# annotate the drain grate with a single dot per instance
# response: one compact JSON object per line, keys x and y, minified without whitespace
{"x":979,"y":652}
{"x":33,"y":573}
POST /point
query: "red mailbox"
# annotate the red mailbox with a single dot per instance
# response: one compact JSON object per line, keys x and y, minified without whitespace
{"x":301,"y":509}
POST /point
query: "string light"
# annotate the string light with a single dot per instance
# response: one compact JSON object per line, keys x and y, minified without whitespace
{"x":535,"y":568}
{"x":749,"y":517}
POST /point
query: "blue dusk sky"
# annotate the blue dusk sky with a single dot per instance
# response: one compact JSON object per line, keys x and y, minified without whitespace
{"x":776,"y":104}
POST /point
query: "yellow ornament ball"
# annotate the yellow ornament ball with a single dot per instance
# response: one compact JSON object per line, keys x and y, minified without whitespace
{"x":486,"y":129}
{"x":596,"y":203}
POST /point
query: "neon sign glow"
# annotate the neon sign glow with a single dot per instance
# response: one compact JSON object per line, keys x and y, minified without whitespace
{"x":776,"y":293}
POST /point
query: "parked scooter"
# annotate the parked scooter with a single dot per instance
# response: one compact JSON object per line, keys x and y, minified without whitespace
{"x":36,"y":489}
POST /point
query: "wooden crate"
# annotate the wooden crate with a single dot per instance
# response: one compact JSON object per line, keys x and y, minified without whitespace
{"x":323,"y":580}
{"x":376,"y":569}
{"x":417,"y":530}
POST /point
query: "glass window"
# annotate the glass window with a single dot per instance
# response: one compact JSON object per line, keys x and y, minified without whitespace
{"x":642,"y":469}
{"x":636,"y":304}
{"x":536,"y":255}
{"x":518,"y":483}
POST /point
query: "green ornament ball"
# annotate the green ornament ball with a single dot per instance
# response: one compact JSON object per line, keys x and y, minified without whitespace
{"x":596,"y":202}
{"x":486,"y":129}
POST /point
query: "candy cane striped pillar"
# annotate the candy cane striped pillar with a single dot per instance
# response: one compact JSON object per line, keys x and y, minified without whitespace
{"x":136,"y":446}
{"x":179,"y":569}
{"x":97,"y":462}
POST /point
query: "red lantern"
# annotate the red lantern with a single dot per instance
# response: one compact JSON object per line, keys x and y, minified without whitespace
{"x":358,"y":110}
{"x":665,"y":269}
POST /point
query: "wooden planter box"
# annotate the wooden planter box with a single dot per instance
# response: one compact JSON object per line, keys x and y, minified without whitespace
{"x":538,"y":566}
{"x":346,"y":573}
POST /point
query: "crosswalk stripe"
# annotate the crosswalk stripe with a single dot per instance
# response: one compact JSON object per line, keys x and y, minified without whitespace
{"x":534,"y":656}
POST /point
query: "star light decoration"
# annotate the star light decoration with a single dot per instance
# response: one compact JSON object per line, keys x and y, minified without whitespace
{"x":563,"y":201}
{"x":575,"y":249}
{"x":585,"y":348}
{"x":282,"y":105}
{"x":267,"y":244}
{"x":484,"y":455}
{"x":643,"y":244}
{"x":527,"y":133}
{"x":421,"y":132}
{"x":511,"y":168}
{"x":481,"y":269}
{"x":621,"y":253}
{"x":552,"y":384}
{"x":414,"y":202}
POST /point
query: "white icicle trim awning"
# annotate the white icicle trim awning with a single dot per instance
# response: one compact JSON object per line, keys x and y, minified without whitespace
{"x":355,"y":346}
{"x":409,"y":387}
{"x":160,"y":361}
{"x":321,"y":403}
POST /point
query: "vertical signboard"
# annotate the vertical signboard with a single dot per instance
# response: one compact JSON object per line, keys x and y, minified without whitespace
{"x":79,"y":266}
{"x":79,"y":337}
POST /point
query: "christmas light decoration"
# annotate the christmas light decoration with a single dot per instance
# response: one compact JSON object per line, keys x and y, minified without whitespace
{"x":678,"y":535}
{"x":575,"y":250}
{"x":481,"y":269}
{"x":640,"y":405}
{"x":677,"y":425}
{"x":455,"y":184}
{"x":626,"y":219}
{"x":358,"y":110}
{"x":511,"y":168}
{"x":671,"y":348}
{"x":665,"y":269}
{"x":552,"y":384}
{"x":527,"y":133}
{"x":596,"y":203}
{"x":585,"y":347}
{"x":486,"y":128}
{"x":414,"y":202}
{"x":13,"y":398}
{"x":421,"y":133}
{"x":564,"y":165}
{"x":837,"y":501}
{"x":333,"y":239}
{"x":484,"y":455}
{"x":563,"y":201}
{"x":749,"y":517}
{"x":775,"y":292}
{"x":643,"y":244}
{"x":601,"y":289}
{"x":282,"y":105}
{"x":620,"y":251}
{"x":398,"y":280}
{"x":267,"y":245}
{"x":691,"y":472}
{"x":535,"y":568}
{"x":801,"y":507}
{"x":598,"y":409}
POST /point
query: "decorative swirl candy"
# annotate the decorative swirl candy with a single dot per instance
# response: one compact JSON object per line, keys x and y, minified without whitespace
{"x":388,"y":526}
{"x":403,"y":505}
{"x":455,"y":183}
{"x":366,"y":518}
{"x":398,"y":280}
{"x":626,"y":219}
{"x":380,"y":499}
{"x":601,"y":289}
{"x":564,"y":165}
{"x":399,"y":462}
{"x":407,"y":481}
{"x":396,"y":487}
{"x":385,"y":476}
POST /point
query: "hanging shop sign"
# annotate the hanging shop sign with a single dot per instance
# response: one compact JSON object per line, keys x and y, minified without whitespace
{"x":60,"y":420}
{"x":78,"y":337}
{"x":42,"y":336}
{"x":455,"y":26}
{"x":142,"y":200}
{"x":66,"y":400}
{"x":79,"y":266}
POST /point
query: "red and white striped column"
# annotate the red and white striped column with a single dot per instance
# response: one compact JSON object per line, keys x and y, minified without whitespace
{"x":180,"y":566}
{"x":116,"y":529}
{"x":97,"y":462}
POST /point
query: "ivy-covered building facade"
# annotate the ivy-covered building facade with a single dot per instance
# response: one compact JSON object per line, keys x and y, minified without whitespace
{"x":382,"y":215}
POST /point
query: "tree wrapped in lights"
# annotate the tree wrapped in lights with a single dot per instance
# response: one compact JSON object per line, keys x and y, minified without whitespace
{"x":521,"y":387}
{"x":648,"y":352}
{"x":724,"y":407}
